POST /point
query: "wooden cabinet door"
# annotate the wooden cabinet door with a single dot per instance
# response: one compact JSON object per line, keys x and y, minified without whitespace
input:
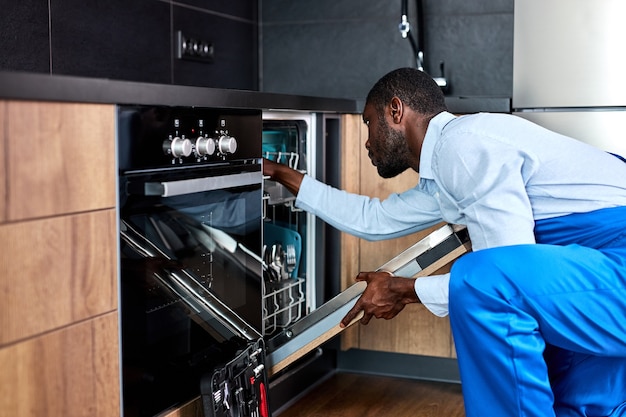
{"x":73,"y":372}
{"x":56,"y":271}
{"x":60,"y":158}
{"x":415,"y":330}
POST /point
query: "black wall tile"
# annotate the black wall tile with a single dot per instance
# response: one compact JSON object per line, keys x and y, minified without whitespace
{"x":24,"y":40}
{"x":244,"y":9}
{"x":235,"y":47}
{"x":329,"y":59}
{"x":119,"y":39}
{"x":328,"y":10}
{"x":340,"y":48}
{"x":477,"y":51}
{"x":131,"y":40}
{"x":459,"y":7}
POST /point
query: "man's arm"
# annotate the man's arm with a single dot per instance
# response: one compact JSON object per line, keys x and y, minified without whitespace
{"x":285,"y":175}
{"x":403,"y":290}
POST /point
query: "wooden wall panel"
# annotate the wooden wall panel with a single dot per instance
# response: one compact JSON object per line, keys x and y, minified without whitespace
{"x":415,"y":330}
{"x":60,"y":158}
{"x":192,"y":408}
{"x":3,"y":166}
{"x":351,"y":126}
{"x":56,"y":271}
{"x":73,"y":372}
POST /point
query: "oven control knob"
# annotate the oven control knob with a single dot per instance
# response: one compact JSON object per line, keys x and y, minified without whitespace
{"x":227,"y":145}
{"x":178,"y":147}
{"x":205,"y":146}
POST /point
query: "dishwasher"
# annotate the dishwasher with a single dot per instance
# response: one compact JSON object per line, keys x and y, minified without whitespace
{"x":303,"y":302}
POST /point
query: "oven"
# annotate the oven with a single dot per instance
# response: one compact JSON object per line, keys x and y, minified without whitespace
{"x":192,"y":273}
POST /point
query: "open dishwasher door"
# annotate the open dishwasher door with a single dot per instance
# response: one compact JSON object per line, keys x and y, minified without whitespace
{"x":431,"y":253}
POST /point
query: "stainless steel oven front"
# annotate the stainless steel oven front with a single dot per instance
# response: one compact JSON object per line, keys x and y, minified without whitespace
{"x":190,"y":203}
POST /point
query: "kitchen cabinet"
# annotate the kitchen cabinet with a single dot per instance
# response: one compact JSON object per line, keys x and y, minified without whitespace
{"x":68,"y":372}
{"x":57,"y":271}
{"x":59,"y":330}
{"x":415,"y":330}
{"x":3,"y":166}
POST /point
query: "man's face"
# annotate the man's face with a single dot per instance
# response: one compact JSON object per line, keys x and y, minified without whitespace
{"x":387,"y":148}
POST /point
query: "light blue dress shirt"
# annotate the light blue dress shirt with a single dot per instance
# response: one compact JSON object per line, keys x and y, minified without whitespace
{"x":494,"y":173}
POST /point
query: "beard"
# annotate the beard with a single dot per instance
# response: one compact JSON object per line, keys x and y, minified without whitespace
{"x":394,"y":156}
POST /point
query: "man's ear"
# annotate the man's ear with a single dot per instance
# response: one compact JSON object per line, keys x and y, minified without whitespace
{"x":397,"y":109}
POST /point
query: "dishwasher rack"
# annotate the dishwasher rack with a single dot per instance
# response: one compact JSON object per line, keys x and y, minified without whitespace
{"x":283,"y":303}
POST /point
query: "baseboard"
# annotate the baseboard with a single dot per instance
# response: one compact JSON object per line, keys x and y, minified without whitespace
{"x":402,"y":365}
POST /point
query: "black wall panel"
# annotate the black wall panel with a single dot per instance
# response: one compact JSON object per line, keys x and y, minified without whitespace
{"x":118,"y":39}
{"x":24,"y":39}
{"x":340,"y":48}
{"x":234,"y":42}
{"x":132,"y":40}
{"x":314,"y":47}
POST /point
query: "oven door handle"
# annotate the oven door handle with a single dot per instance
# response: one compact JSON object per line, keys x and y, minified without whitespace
{"x":196,"y":185}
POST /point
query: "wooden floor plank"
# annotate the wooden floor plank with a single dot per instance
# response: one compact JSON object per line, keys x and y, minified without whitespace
{"x":358,"y":395}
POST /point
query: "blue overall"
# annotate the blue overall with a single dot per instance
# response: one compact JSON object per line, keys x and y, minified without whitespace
{"x":540,"y":330}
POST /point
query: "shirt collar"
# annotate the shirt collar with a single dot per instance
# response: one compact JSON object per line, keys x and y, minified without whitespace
{"x":433,"y":133}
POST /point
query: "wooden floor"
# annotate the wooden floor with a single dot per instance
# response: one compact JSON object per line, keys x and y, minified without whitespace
{"x":356,"y":395}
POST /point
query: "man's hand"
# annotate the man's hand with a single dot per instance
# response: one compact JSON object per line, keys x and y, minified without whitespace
{"x":384,"y":297}
{"x":285,"y":175}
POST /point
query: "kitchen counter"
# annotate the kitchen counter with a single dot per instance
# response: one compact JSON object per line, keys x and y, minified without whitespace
{"x":45,"y":87}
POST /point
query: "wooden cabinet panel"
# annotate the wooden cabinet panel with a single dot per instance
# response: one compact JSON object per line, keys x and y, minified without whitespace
{"x":415,"y":330}
{"x":3,"y":166}
{"x":192,"y":408}
{"x":350,"y":179}
{"x":73,"y":372}
{"x":60,"y":158}
{"x":56,"y":271}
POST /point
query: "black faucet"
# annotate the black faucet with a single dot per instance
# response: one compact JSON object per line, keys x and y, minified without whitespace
{"x":417,"y":43}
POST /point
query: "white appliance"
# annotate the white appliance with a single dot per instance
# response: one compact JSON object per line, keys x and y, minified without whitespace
{"x":569,"y":68}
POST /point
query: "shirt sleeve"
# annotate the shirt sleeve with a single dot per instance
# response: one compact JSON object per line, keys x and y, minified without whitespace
{"x":433,"y":293}
{"x":369,"y":218}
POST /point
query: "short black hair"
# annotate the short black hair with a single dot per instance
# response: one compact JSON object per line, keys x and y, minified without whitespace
{"x":414,"y":87}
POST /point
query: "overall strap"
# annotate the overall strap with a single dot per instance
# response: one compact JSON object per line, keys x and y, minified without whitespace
{"x":618,"y":156}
